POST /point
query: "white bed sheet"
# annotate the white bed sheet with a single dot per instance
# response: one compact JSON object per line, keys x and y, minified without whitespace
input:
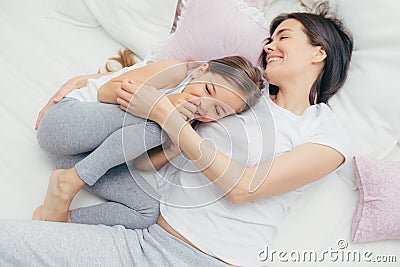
{"x":39,"y":54}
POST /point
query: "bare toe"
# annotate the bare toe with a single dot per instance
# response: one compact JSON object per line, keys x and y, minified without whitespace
{"x":37,"y":212}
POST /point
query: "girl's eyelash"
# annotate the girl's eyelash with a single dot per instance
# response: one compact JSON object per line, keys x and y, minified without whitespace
{"x":208,"y":90}
{"x":216,"y":110}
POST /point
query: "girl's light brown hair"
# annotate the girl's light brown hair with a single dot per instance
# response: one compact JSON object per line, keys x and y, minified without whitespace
{"x":240,"y":72}
{"x":125,"y":58}
{"x":235,"y":69}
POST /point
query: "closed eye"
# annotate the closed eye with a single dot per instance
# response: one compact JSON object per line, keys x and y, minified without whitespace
{"x":283,"y":37}
{"x":216,"y":111}
{"x":207,"y":89}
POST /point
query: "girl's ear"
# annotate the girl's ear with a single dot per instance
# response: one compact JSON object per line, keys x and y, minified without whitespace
{"x":200,"y":70}
{"x":319,"y":55}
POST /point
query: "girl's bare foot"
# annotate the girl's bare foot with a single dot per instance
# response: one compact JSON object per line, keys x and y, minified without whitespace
{"x":37,"y":212}
{"x":63,"y":186}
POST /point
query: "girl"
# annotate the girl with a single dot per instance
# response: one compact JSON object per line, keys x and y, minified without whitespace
{"x":79,"y":124}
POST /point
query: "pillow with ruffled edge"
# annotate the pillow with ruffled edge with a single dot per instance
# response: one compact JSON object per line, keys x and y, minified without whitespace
{"x":377,"y":216}
{"x":213,"y":29}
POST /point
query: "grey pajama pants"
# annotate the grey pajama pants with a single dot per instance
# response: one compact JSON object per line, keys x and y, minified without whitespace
{"x":97,"y":139}
{"x":39,"y":243}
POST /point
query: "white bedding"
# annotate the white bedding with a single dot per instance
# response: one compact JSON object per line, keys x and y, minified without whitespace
{"x":39,"y":54}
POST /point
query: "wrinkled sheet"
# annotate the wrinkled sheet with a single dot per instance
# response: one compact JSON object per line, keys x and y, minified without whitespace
{"x":38,"y":54}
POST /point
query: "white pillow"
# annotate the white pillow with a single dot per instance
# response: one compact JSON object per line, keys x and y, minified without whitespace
{"x":368,"y":105}
{"x":75,"y":12}
{"x":138,"y":25}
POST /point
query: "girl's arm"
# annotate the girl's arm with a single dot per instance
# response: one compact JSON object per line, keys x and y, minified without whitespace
{"x":74,"y":83}
{"x":302,"y":165}
{"x":161,"y":75}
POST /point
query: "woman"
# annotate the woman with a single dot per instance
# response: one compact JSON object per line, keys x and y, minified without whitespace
{"x":307,"y":58}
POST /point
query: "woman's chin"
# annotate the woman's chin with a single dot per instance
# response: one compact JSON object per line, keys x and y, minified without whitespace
{"x":270,"y":77}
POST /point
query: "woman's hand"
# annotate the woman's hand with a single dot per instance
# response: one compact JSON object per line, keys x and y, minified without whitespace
{"x":74,"y":83}
{"x":55,"y":99}
{"x":63,"y":91}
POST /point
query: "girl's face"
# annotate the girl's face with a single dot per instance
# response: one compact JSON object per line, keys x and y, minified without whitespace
{"x":217,"y":98}
{"x":290,"y":55}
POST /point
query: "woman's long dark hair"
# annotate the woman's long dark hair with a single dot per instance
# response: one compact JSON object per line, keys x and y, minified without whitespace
{"x":329,"y":33}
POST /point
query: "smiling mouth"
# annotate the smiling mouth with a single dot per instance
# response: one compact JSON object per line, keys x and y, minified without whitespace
{"x":272,"y":59}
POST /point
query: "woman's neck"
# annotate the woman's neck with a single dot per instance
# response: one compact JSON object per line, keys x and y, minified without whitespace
{"x":296,"y":101}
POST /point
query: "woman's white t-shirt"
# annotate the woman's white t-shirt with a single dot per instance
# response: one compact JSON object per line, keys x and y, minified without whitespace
{"x":236,"y":233}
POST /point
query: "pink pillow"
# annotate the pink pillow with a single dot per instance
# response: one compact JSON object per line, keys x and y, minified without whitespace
{"x":377,"y":216}
{"x":212,"y":29}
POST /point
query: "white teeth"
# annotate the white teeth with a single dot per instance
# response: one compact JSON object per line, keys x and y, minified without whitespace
{"x":274,"y":59}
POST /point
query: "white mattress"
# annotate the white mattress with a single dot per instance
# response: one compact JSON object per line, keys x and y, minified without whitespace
{"x":38,"y":54}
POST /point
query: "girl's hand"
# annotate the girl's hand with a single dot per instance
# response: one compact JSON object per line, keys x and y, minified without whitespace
{"x":147,"y":102}
{"x":183,"y":105}
{"x":138,"y":99}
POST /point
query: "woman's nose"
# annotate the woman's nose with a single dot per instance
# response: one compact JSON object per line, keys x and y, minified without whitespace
{"x":268,"y":47}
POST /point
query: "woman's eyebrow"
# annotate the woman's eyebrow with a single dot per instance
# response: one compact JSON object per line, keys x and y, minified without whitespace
{"x":269,"y":39}
{"x":283,"y":30}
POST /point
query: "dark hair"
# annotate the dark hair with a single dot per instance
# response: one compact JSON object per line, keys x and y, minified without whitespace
{"x":330,"y":33}
{"x":240,"y":72}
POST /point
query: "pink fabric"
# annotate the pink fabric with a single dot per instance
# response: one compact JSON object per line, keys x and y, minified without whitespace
{"x":177,"y":14}
{"x":212,"y":29}
{"x":377,"y":216}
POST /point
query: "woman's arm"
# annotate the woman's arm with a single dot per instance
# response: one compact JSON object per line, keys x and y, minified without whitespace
{"x":160,"y":74}
{"x":308,"y":162}
{"x":157,"y":157}
{"x":74,"y":83}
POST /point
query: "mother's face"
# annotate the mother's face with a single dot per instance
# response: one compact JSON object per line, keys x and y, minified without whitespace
{"x":290,"y":56}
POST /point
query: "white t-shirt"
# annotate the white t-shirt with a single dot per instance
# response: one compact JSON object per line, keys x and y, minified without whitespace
{"x":89,"y":92}
{"x":236,"y":233}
